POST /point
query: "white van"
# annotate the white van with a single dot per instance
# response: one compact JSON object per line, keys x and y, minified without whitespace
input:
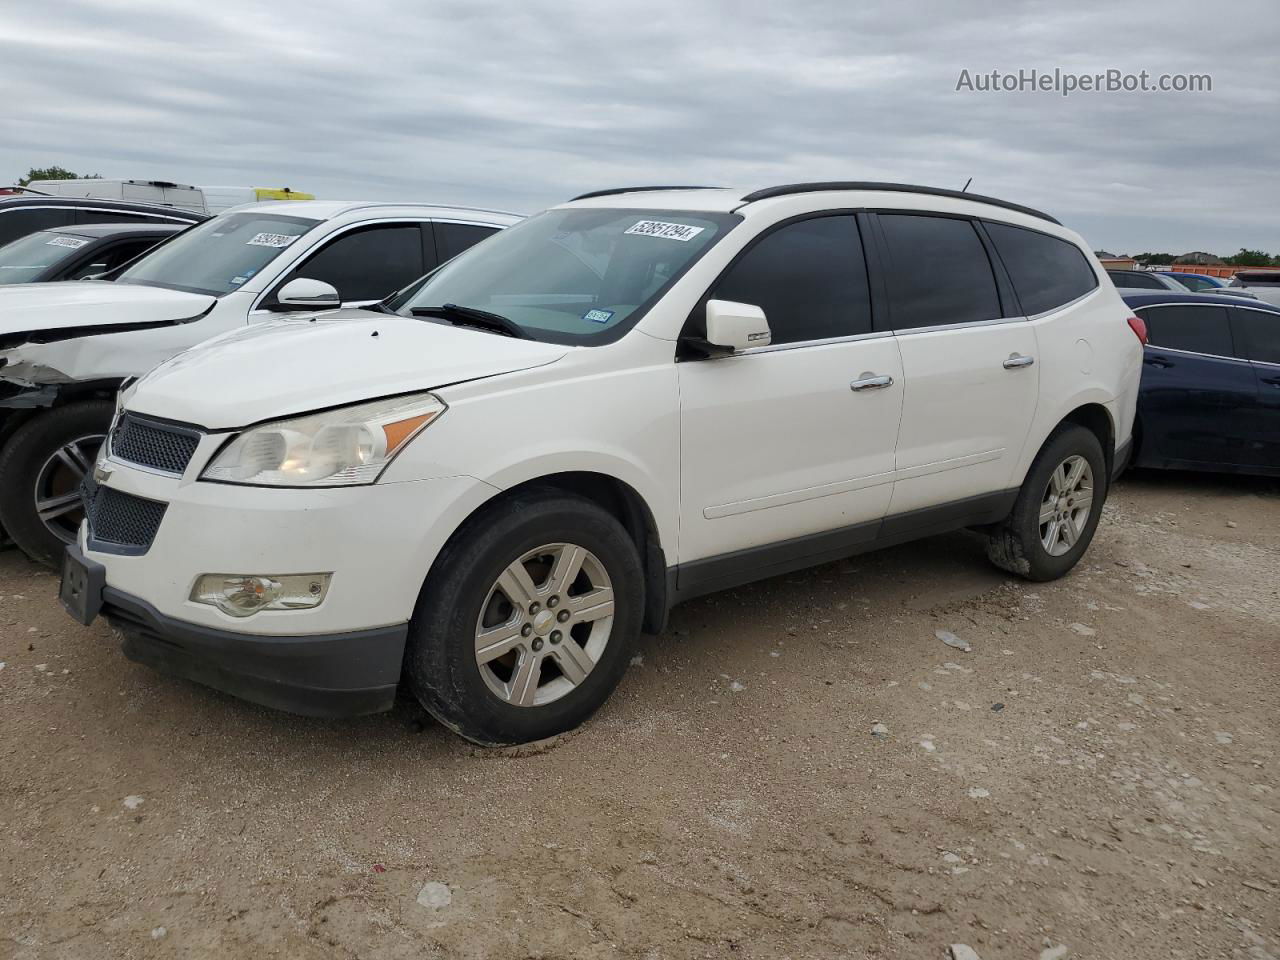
{"x":206,"y":200}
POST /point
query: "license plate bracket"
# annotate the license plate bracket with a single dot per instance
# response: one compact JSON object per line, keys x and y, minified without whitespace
{"x":82,"y":584}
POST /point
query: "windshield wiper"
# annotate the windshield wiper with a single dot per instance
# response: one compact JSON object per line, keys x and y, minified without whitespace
{"x":471,"y":317}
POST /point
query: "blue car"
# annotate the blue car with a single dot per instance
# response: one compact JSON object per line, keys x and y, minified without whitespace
{"x":1210,"y":395}
{"x":1196,"y":282}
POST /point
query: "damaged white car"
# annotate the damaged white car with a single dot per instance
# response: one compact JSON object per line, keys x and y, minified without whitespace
{"x":65,"y":348}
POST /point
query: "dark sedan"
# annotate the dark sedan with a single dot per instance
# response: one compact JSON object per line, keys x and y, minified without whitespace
{"x":1210,"y":396}
{"x":77,"y":253}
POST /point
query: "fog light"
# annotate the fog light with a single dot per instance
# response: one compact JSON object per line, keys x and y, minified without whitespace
{"x":243,"y":595}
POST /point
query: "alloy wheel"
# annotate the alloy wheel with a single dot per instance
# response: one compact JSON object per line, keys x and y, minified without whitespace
{"x":1066,"y":505}
{"x":57,"y":490}
{"x":544,"y":624}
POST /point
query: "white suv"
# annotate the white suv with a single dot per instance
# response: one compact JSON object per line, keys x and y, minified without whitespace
{"x":489,"y":489}
{"x":66,"y":347}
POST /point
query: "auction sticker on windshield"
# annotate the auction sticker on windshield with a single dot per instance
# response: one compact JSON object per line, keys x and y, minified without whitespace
{"x":667,"y":231}
{"x":270,"y":240}
{"x":72,"y":242}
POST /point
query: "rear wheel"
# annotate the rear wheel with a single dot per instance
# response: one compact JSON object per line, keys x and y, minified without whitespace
{"x":41,"y":468}
{"x":528,"y":619}
{"x":1057,"y":510}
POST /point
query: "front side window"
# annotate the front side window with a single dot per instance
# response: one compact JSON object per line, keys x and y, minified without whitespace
{"x":17,"y":222}
{"x":573,"y":276}
{"x":453,"y":238}
{"x":1258,"y":333}
{"x":1046,"y":271}
{"x":219,"y":255}
{"x":22,"y":260}
{"x":369,"y":263}
{"x":938,"y":272}
{"x":1192,"y":328}
{"x":809,"y":278}
{"x":1135,"y":281}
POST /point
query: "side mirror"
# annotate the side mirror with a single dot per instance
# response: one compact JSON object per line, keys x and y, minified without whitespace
{"x":736,"y":326}
{"x":306,"y":294}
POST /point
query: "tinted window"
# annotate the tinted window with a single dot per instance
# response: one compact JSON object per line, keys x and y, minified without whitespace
{"x":809,"y":277}
{"x":20,"y":221}
{"x":108,"y":258}
{"x":453,"y":238}
{"x":1198,"y":329}
{"x":1192,"y":282}
{"x":1046,"y":272}
{"x":1258,"y":334}
{"x":1135,"y":281}
{"x":938,"y":272}
{"x":368,"y":264}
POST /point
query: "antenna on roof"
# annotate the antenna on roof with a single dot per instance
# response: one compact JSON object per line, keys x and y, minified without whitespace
{"x":965,"y":188}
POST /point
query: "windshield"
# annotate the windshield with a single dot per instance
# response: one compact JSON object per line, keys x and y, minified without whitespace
{"x":219,"y":255}
{"x":24,"y":259}
{"x":572,"y":276}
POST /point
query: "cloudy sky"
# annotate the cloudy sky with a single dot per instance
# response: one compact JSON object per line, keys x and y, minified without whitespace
{"x":518,"y":105}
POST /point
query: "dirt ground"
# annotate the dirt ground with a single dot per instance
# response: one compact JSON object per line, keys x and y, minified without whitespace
{"x":1097,"y":777}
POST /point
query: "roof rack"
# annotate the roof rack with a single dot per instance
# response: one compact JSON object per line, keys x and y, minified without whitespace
{"x":793,"y":188}
{"x":617,"y":190}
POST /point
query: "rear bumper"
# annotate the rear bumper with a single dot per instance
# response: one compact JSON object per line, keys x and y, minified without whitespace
{"x":335,"y":675}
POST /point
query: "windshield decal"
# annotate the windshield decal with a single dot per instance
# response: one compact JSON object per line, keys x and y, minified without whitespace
{"x":71,"y":242}
{"x":270,"y":240}
{"x":598,"y":316}
{"x":667,"y":231}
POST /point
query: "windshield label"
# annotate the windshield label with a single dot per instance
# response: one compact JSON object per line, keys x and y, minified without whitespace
{"x":71,"y":242}
{"x":667,"y":231}
{"x":598,"y":316}
{"x":270,"y":240}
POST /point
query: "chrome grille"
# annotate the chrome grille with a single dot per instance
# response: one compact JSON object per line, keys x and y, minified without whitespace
{"x":150,"y":443}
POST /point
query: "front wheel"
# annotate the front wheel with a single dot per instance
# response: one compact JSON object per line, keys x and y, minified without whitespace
{"x":1057,"y":510}
{"x":41,"y":469}
{"x":527,"y":621}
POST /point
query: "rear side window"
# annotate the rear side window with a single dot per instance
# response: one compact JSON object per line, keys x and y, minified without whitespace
{"x":368,"y":264}
{"x":1135,"y":281}
{"x":20,"y":221}
{"x":1192,"y":328}
{"x":938,"y":272}
{"x":453,"y":238}
{"x":809,"y":278}
{"x":1046,"y":271}
{"x":1258,"y":334}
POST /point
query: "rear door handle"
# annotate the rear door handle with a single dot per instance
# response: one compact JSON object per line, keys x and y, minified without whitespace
{"x":1158,"y":362}
{"x":871,"y":381}
{"x":1016,"y":360}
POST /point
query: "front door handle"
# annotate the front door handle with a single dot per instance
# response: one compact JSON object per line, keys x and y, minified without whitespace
{"x":1016,"y":360}
{"x":871,"y":381}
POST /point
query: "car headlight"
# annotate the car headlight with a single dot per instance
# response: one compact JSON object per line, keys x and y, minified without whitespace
{"x":348,"y":446}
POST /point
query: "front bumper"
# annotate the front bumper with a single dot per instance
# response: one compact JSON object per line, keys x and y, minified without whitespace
{"x":333,"y":675}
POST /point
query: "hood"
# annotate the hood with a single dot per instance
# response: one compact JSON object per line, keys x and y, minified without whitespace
{"x":47,"y":312}
{"x":300,"y":364}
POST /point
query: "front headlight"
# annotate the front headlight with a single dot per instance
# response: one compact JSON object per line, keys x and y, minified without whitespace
{"x":348,"y":446}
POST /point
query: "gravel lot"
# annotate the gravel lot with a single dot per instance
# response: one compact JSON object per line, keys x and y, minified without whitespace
{"x":1097,"y":773}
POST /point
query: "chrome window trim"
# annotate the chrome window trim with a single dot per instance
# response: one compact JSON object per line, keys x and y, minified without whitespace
{"x":1069,"y":303}
{"x":1193,"y":353}
{"x":802,"y":344}
{"x":967,"y":325}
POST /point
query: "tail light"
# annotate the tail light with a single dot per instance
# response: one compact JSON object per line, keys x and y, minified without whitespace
{"x":1139,"y":328}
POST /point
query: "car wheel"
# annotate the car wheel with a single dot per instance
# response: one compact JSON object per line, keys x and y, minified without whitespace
{"x":1057,"y":510}
{"x":41,"y":468}
{"x":528,"y":619}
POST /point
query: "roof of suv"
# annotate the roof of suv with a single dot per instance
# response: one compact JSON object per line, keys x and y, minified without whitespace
{"x":97,"y":203}
{"x":1150,"y":298}
{"x":328,"y":209}
{"x":726,"y":199}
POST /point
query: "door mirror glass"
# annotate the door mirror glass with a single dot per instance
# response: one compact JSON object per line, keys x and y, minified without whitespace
{"x":307,"y":294}
{"x":736,"y":326}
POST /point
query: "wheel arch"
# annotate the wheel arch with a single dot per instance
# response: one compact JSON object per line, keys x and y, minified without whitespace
{"x":621,"y":500}
{"x":1096,"y":418}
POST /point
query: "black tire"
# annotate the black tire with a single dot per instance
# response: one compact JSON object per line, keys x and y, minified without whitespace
{"x":440,"y":659}
{"x":21,"y":462}
{"x":1015,"y":543}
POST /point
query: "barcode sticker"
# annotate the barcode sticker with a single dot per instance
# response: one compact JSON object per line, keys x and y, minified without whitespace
{"x":71,"y":242}
{"x":270,"y":240}
{"x":666,"y":231}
